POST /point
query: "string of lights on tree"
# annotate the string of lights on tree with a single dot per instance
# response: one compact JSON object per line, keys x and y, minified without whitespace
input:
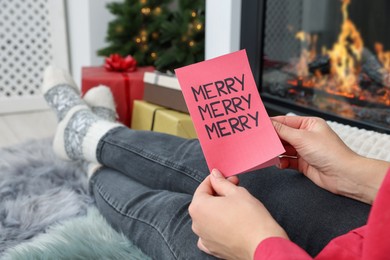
{"x":154,"y":34}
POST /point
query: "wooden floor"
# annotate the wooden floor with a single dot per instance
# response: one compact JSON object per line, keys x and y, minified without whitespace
{"x":19,"y":127}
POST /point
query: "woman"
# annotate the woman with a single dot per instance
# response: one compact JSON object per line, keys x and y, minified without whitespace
{"x":323,"y":158}
{"x":148,"y":181}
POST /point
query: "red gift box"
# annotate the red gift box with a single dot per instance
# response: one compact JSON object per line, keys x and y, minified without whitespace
{"x":125,"y":87}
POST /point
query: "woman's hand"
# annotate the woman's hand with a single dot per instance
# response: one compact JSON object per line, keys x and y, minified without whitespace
{"x":323,"y":157}
{"x":229,"y":221}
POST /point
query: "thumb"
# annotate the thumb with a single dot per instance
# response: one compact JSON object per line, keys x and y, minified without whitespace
{"x":221,"y":186}
{"x":285,"y":132}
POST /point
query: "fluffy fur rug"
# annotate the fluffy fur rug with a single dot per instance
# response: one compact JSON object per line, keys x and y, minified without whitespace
{"x":85,"y":237}
{"x":38,"y":190}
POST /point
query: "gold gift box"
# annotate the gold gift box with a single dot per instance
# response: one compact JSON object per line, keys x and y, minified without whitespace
{"x":147,"y":116}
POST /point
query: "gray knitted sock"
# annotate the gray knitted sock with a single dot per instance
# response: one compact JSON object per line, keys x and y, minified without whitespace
{"x":79,"y":129}
{"x":60,"y":91}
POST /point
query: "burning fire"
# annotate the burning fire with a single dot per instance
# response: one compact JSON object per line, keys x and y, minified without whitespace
{"x":346,"y":55}
{"x":345,"y":58}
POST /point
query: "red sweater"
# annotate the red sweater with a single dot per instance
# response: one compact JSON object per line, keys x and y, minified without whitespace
{"x":370,"y":242}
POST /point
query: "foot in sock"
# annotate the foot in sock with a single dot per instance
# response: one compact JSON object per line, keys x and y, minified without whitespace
{"x":102,"y":103}
{"x":79,"y":130}
{"x":60,"y":91}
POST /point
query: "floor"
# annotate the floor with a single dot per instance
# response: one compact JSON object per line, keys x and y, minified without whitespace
{"x":19,"y":127}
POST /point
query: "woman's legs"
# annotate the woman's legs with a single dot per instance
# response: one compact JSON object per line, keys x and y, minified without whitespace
{"x":157,"y":160}
{"x":174,"y":167}
{"x":310,"y":215}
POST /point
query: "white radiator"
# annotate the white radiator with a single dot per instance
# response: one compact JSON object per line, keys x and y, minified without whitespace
{"x":32,"y":36}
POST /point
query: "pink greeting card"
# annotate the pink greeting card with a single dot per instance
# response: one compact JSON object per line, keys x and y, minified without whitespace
{"x":232,"y":124}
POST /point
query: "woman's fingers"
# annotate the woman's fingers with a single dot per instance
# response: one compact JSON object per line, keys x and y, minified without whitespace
{"x":202,"y":247}
{"x":288,"y":162}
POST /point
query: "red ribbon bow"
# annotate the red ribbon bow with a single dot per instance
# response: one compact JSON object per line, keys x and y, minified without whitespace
{"x":118,"y":63}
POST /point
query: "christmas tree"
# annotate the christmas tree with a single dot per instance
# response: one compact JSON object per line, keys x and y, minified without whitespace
{"x":136,"y":29}
{"x":184,"y":34}
{"x":155,"y":35}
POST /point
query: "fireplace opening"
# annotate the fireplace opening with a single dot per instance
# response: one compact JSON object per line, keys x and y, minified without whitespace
{"x":329,"y":58}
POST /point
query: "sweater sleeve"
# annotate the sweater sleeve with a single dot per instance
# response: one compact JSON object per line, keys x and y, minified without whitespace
{"x":376,"y":244}
{"x":368,"y":242}
{"x":279,"y":248}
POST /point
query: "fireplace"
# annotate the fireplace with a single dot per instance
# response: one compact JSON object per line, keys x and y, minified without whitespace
{"x":328,"y":58}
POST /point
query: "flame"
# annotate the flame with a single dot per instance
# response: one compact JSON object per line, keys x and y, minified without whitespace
{"x":301,"y":67}
{"x":345,"y":58}
{"x":346,"y":55}
{"x":383,"y":56}
{"x":308,"y":54}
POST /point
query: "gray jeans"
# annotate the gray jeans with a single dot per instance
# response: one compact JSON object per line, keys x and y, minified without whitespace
{"x":148,"y":180}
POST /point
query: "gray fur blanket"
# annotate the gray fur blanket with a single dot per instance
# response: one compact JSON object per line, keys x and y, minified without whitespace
{"x":39,"y":191}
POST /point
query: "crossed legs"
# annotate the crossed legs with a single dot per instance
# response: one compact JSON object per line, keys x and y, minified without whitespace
{"x":167,"y":169}
{"x":146,"y":185}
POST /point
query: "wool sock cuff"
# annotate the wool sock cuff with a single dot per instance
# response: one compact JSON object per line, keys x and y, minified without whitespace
{"x":58,"y":141}
{"x":93,"y":136}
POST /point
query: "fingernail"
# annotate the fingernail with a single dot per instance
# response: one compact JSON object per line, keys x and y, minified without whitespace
{"x":216,"y":173}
